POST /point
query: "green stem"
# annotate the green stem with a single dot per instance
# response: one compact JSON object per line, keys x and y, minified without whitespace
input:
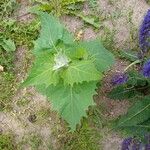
{"x":132,"y":64}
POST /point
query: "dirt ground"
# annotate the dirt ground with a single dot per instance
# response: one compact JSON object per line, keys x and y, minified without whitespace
{"x":21,"y":120}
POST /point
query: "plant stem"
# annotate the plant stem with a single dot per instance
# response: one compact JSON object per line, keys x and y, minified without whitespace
{"x":135,"y":62}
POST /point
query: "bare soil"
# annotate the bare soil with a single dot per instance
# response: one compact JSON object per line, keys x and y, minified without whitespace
{"x":18,"y":122}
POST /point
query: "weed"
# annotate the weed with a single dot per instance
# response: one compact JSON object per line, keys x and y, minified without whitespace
{"x":43,"y":113}
{"x":86,"y":137}
{"x":6,"y":83}
{"x":23,"y":102}
{"x":21,"y":34}
{"x":112,"y":2}
{"x":7,"y":142}
{"x":93,"y":4}
{"x":91,"y":50}
{"x":7,"y":8}
{"x":33,"y":141}
{"x":107,"y":38}
{"x":59,"y":7}
{"x":7,"y":90}
{"x":148,"y":1}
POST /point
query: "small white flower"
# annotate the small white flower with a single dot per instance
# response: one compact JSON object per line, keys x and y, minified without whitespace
{"x":61,"y":60}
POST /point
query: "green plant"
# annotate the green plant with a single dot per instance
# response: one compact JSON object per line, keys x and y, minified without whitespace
{"x":35,"y":141}
{"x":88,"y":136}
{"x":67,"y":71}
{"x":58,"y":7}
{"x":7,"y":142}
{"x":12,"y":35}
{"x":20,"y":33}
{"x":6,"y":88}
{"x":148,"y":1}
{"x":7,"y":8}
{"x":31,"y":140}
{"x":23,"y":102}
{"x":7,"y":48}
{"x":85,"y":138}
{"x":135,"y":86}
{"x":69,"y":7}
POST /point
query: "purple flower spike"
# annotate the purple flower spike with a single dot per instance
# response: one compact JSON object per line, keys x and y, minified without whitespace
{"x":119,"y":79}
{"x":146,"y":69}
{"x":126,"y":143}
{"x":136,"y":146}
{"x":144,"y":33}
{"x":147,"y":147}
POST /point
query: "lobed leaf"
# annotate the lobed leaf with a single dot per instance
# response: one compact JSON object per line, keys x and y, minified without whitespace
{"x":42,"y":71}
{"x":51,"y":32}
{"x":71,"y":102}
{"x":121,"y":92}
{"x":129,"y":55}
{"x":103,"y":58}
{"x":8,"y":45}
{"x":79,"y":71}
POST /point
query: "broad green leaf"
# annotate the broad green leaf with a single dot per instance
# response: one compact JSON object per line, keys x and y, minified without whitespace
{"x":121,"y":92}
{"x":76,"y":52}
{"x":137,"y":130}
{"x":103,"y":58}
{"x":89,"y":20}
{"x":79,"y":71}
{"x":137,"y":114}
{"x":129,"y":55}
{"x":71,"y":102}
{"x":80,"y":54}
{"x":68,"y":2}
{"x":8,"y":45}
{"x":67,"y":37}
{"x":51,"y":32}
{"x":42,"y":71}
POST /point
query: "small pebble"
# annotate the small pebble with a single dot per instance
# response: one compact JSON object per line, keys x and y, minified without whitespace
{"x":1,"y":68}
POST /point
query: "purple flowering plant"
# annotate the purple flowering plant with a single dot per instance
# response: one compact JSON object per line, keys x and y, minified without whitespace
{"x":133,"y":84}
{"x":136,"y":144}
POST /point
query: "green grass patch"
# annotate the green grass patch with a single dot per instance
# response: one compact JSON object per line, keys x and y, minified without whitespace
{"x":23,"y":102}
{"x":20,"y":34}
{"x":32,"y":140}
{"x":7,"y":142}
{"x":87,"y":137}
